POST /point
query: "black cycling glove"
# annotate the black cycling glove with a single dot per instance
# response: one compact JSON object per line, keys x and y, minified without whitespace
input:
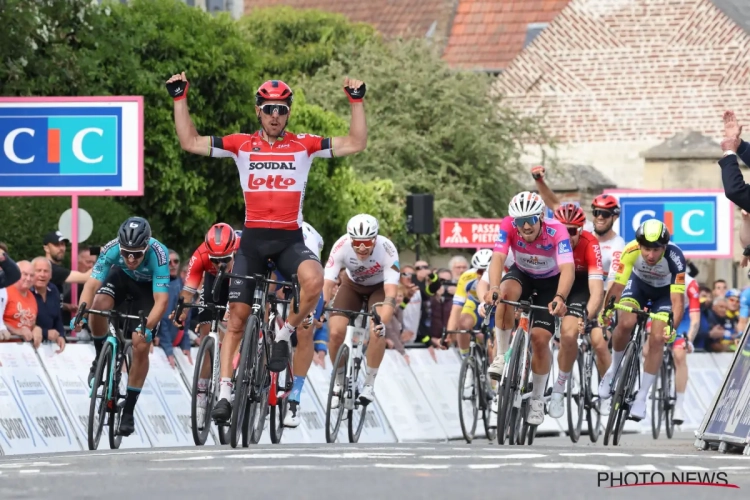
{"x":356,"y":95}
{"x":178,"y":89}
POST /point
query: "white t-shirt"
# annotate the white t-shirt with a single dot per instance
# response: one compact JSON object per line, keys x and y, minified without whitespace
{"x":313,"y":239}
{"x":611,"y":251}
{"x":381,"y":266}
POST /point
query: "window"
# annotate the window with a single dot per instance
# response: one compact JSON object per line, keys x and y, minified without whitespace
{"x":532,"y":31}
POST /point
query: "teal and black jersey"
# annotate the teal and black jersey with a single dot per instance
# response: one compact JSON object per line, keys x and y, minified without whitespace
{"x":154,"y":268}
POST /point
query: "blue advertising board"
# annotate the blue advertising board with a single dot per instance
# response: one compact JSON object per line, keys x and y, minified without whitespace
{"x":71,"y":146}
{"x":701,"y":222}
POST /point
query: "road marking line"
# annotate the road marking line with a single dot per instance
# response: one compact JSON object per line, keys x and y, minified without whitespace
{"x":489,"y":457}
{"x":734,"y":467}
{"x":287,"y":467}
{"x":690,"y":467}
{"x":181,"y":459}
{"x":729,"y":457}
{"x":597,"y":454}
{"x":639,"y":467}
{"x":29,"y":471}
{"x":666,"y":455}
{"x":571,"y":466}
{"x":411,"y":466}
{"x":492,"y":466}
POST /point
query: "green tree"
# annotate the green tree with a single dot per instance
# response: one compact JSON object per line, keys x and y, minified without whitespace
{"x":431,"y":129}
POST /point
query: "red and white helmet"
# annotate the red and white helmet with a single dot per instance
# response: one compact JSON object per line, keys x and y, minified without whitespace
{"x":274,"y":90}
{"x":221,"y":241}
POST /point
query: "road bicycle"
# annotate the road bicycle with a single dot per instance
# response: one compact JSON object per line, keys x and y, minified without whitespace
{"x":282,"y":382}
{"x":580,"y":389}
{"x":626,"y":380}
{"x":473,"y":383}
{"x":664,"y":396}
{"x":208,"y":355}
{"x":114,"y":359}
{"x":252,"y":379}
{"x":345,"y":375}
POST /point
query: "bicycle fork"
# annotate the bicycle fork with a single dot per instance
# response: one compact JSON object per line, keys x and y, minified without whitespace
{"x":352,"y":365}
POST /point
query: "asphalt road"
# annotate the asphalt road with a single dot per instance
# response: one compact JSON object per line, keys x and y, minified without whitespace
{"x":553,"y":468}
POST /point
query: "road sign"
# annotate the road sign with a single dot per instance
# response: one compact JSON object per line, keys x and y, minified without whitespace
{"x":701,"y":221}
{"x":85,"y":225}
{"x":469,"y":233}
{"x":71,"y":146}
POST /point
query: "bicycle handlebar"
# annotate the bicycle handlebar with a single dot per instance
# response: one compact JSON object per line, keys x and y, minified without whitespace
{"x":293,"y":284}
{"x":113,"y":314}
{"x":638,"y":312}
{"x":353,"y":314}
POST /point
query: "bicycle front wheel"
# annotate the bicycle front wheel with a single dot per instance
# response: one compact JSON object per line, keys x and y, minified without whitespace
{"x":575,"y":403}
{"x":624,"y":389}
{"x":202,"y":426}
{"x":670,"y":397}
{"x":278,"y":411}
{"x":468,"y":404}
{"x":657,"y":402}
{"x":338,"y":377}
{"x":243,"y":380}
{"x":358,"y":415}
{"x":99,"y":396}
{"x":119,"y":394}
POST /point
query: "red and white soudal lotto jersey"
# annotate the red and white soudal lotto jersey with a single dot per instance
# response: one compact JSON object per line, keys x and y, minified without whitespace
{"x":273,"y":176}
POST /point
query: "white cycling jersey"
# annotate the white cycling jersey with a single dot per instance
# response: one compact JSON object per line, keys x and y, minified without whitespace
{"x":509,"y":261}
{"x":611,"y":252}
{"x":313,"y":239}
{"x":381,"y":266}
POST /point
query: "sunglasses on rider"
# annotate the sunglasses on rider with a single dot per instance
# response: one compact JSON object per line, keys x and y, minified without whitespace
{"x":530,"y":220}
{"x":269,"y":109}
{"x":604,"y":214}
{"x":573,"y":231}
{"x":363,"y":243}
{"x":220,"y":260}
{"x":130,"y":254}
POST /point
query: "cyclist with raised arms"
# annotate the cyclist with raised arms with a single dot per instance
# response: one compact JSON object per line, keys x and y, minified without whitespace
{"x":218,"y":247}
{"x":273,"y":167}
{"x":587,"y":292}
{"x":134,"y":264}
{"x":544,"y":262}
{"x":465,"y":300}
{"x":372,"y":271}
{"x":651,"y":268}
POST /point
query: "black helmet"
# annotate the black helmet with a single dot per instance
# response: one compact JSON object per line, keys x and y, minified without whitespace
{"x":652,"y":234}
{"x":134,"y":233}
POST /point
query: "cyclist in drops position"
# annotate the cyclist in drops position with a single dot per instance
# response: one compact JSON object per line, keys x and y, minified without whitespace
{"x":587,"y":292}
{"x":544,"y":261}
{"x":465,"y":300}
{"x":218,"y":247}
{"x":132,"y":264}
{"x":273,"y":166}
{"x":651,"y":268}
{"x":373,"y":271}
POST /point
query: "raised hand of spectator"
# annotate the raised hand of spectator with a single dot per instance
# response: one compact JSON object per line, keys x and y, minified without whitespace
{"x":54,"y":336}
{"x":26,"y":333}
{"x":389,"y":344}
{"x":186,"y":352}
{"x":320,"y":359}
{"x":170,"y":358}
{"x":36,"y":334}
{"x":406,"y":336}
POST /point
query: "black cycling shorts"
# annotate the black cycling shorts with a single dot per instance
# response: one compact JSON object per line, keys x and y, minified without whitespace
{"x":285,"y":248}
{"x":205,"y":296}
{"x":546,"y":288}
{"x":130,"y":296}
{"x":579,"y":295}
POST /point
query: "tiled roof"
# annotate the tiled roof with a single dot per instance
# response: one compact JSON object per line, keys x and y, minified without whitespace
{"x":390,"y":17}
{"x":488,"y":34}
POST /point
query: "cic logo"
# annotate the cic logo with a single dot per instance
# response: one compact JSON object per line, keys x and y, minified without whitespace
{"x":59,"y":145}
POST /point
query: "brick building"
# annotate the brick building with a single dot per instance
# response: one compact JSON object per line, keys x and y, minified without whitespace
{"x":618,"y":77}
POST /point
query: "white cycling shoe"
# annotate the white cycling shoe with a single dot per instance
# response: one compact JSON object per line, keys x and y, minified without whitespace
{"x":292,"y":415}
{"x":605,"y":386}
{"x":536,"y":411}
{"x":557,"y":405}
{"x":367,"y":395}
{"x":496,"y":368}
{"x":604,"y":407}
{"x":335,"y":398}
{"x":638,"y":409}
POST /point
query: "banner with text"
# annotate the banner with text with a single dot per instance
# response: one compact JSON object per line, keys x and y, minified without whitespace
{"x":469,"y":233}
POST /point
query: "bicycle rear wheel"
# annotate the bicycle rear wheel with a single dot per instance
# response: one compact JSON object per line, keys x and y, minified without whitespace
{"x":99,"y":394}
{"x":657,"y":402}
{"x":592,"y":403}
{"x":624,"y":388}
{"x":256,"y":419}
{"x":573,"y":392}
{"x":468,"y":414}
{"x":202,"y":428}
{"x":278,"y":411}
{"x":120,"y":392}
{"x":617,"y":398}
{"x":243,"y":380}
{"x":670,"y":397}
{"x":333,"y":421}
{"x":509,"y":388}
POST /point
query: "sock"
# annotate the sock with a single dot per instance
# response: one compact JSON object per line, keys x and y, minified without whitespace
{"x":616,"y":358}
{"x":464,"y":353}
{"x":225,"y":388}
{"x":646,"y":380}
{"x":285,"y":332}
{"x":502,"y":338}
{"x":131,"y":399}
{"x":680,"y":399}
{"x":370,"y":378}
{"x":202,"y":387}
{"x":562,"y":380}
{"x":540,"y":383}
{"x":98,"y":344}
{"x":299,"y":383}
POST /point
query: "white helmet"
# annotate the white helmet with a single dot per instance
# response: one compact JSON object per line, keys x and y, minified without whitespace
{"x":481,"y":259}
{"x":362,"y":227}
{"x":525,"y":204}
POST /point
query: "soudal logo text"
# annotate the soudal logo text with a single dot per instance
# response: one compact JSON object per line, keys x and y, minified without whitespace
{"x":271,"y":165}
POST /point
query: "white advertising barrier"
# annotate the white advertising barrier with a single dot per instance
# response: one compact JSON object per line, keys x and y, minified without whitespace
{"x":68,"y":372}
{"x":164,"y":404}
{"x":723,"y":361}
{"x":376,"y":429}
{"x":704,"y":378}
{"x":404,"y":403}
{"x":438,"y":379}
{"x":186,"y":369}
{"x":31,"y":418}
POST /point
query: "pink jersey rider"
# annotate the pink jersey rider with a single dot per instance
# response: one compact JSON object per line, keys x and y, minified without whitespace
{"x":541,"y":258}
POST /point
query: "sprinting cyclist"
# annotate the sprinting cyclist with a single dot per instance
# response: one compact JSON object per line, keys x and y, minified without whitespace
{"x":651,"y":268}
{"x":134,"y":264}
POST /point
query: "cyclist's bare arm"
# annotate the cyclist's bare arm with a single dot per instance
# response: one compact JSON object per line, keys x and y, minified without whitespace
{"x":356,"y":141}
{"x":596,"y":293}
{"x":189,"y":138}
{"x":497,"y":264}
{"x":548,"y":196}
{"x":678,"y":307}
{"x":614,"y":291}
{"x":453,"y":318}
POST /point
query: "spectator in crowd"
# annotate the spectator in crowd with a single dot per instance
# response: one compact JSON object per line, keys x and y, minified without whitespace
{"x":720,"y":288}
{"x":20,"y":310}
{"x":322,"y":334}
{"x":458,"y":265}
{"x":9,"y":271}
{"x":86,"y":261}
{"x":706,"y":296}
{"x":428,"y":283}
{"x":174,"y":265}
{"x":721,"y":332}
{"x":170,"y":335}
{"x":411,"y":305}
{"x":442,"y":302}
{"x":55,"y":246}
{"x":733,"y":304}
{"x":393,"y":328}
{"x":49,"y":314}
